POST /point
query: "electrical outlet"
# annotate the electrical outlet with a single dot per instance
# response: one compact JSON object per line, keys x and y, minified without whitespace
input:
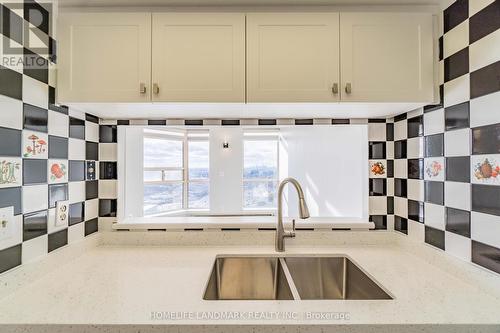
{"x":6,"y":222}
{"x":62,"y":213}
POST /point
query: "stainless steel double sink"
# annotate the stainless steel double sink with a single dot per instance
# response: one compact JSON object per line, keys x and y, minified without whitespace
{"x":290,"y":277}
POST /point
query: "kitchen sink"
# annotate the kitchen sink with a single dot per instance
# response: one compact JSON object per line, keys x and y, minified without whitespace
{"x":291,"y":277}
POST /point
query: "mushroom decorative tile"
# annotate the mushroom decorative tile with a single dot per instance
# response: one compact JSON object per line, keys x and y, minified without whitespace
{"x":58,"y":171}
{"x":35,"y":145}
{"x":434,"y":169}
{"x":378,"y":169}
{"x":485,"y":169}
{"x":10,"y":172}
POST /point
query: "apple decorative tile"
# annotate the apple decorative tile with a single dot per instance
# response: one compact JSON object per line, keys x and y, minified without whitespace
{"x":35,"y":145}
{"x":10,"y":172}
{"x":434,"y":169}
{"x":90,"y":170}
{"x":62,"y":213}
{"x":58,"y":171}
{"x":485,"y":169}
{"x":378,"y":169}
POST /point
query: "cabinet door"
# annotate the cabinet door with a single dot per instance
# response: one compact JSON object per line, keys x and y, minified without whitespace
{"x":199,"y":57}
{"x":104,"y":57}
{"x":386,"y":57}
{"x":292,"y":57}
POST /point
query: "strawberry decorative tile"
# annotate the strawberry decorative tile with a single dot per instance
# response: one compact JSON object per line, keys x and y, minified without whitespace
{"x":58,"y":171}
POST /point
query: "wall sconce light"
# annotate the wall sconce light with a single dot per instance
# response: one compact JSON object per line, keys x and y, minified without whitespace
{"x":225,"y":145}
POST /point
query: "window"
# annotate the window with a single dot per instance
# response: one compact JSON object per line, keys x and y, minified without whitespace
{"x":176,"y":173}
{"x":260,"y":171}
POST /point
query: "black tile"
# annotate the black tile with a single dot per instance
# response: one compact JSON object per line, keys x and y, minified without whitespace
{"x":400,"y":187}
{"x":390,"y":205}
{"x":37,"y":15}
{"x":435,"y":107}
{"x":434,"y":192}
{"x":400,"y":117}
{"x":157,"y":122}
{"x":12,"y":25}
{"x":485,"y":81}
{"x":380,"y":221}
{"x":486,"y":139}
{"x":91,"y":226}
{"x":58,"y":239}
{"x":401,"y":224}
{"x":416,"y":211}
{"x":230,"y":122}
{"x":10,"y":140}
{"x":35,"y":66}
{"x":416,"y":169}
{"x":76,"y":128}
{"x":107,"y":134}
{"x":400,"y":149}
{"x":11,"y":197}
{"x":107,"y":207}
{"x":434,"y":145}
{"x":34,"y":225}
{"x":303,"y":121}
{"x":486,"y":199}
{"x":52,"y":50}
{"x":10,"y":257}
{"x":57,"y":192}
{"x":455,"y":14}
{"x":76,"y":213}
{"x":34,"y":171}
{"x":376,"y":121}
{"x":35,"y":118}
{"x":378,"y":186}
{"x":389,"y":131}
{"x":91,"y":189}
{"x":123,"y":122}
{"x":484,"y":22}
{"x":91,"y":118}
{"x":456,"y":65}
{"x":457,"y":116}
{"x":377,"y":150}
{"x":11,"y":83}
{"x":434,"y":237}
{"x":486,"y":256}
{"x":53,"y":105}
{"x":267,"y":121}
{"x":458,"y":169}
{"x":76,"y":171}
{"x":90,"y":170}
{"x":415,"y":126}
{"x":441,"y":48}
{"x":390,"y":168}
{"x":58,"y":147}
{"x":458,"y":221}
{"x":107,"y":170}
{"x":341,"y":121}
{"x":91,"y":151}
{"x":193,"y":122}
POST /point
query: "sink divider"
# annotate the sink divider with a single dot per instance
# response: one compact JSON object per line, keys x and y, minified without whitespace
{"x":289,"y":279}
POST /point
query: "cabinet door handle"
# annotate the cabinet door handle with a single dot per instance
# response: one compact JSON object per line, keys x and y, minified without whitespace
{"x":335,"y":88}
{"x":142,"y":88}
{"x":156,"y":88}
{"x":348,"y":88}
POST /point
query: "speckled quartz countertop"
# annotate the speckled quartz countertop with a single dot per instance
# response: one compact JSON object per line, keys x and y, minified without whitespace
{"x":122,"y":285}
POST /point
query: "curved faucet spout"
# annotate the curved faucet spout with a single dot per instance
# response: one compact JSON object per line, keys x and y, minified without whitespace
{"x":303,"y":213}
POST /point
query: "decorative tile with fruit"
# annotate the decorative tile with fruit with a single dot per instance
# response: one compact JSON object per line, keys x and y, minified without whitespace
{"x":485,"y":169}
{"x":434,"y":169}
{"x":58,"y":171}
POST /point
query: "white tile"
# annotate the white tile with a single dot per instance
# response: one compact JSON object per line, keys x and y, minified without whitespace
{"x":485,"y":169}
{"x":434,"y":216}
{"x":76,"y":191}
{"x":458,"y":246}
{"x":57,"y":171}
{"x":401,"y":168}
{"x":52,"y":75}
{"x":401,"y":207}
{"x":390,"y":222}
{"x":485,"y":51}
{"x":389,"y":147}
{"x":476,"y":5}
{"x":378,"y":168}
{"x":51,"y":222}
{"x":91,"y":131}
{"x":91,"y":209}
{"x":352,"y":121}
{"x":456,"y":39}
{"x":35,"y":198}
{"x":107,"y":151}
{"x":35,"y":144}
{"x":15,"y":235}
{"x":434,"y":168}
{"x":390,"y":187}
{"x":76,"y":149}
{"x":457,"y":195}
{"x":441,"y":72}
{"x":415,"y":113}
{"x":376,"y":132}
{"x":378,"y":205}
{"x":485,"y":228}
{"x":76,"y":232}
{"x":457,"y":143}
{"x":11,"y":172}
{"x":11,"y":114}
{"x":34,"y":249}
{"x":415,"y":147}
{"x":107,"y":189}
{"x":133,"y":122}
{"x":322,"y":121}
{"x":106,"y":223}
{"x":35,"y":92}
{"x":416,"y":231}
{"x":457,"y":91}
{"x":481,"y":110}
{"x":58,"y":124}
{"x":400,"y":130}
{"x":415,"y":189}
{"x":9,"y":59}
{"x":434,"y":122}
{"x":76,"y":114}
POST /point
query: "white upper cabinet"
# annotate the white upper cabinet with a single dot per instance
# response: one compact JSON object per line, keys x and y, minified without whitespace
{"x":292,"y":57}
{"x":104,"y":57}
{"x":198,"y":57}
{"x":386,"y":57}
